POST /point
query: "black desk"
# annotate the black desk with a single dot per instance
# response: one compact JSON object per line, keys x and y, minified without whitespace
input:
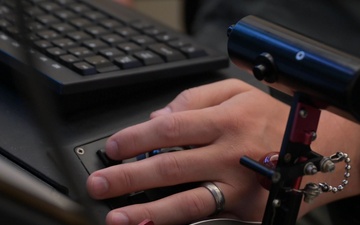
{"x":20,"y":135}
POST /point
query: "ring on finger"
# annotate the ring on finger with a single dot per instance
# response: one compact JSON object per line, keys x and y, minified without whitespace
{"x":218,"y":196}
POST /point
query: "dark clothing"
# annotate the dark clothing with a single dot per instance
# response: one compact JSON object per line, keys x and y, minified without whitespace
{"x":332,"y":22}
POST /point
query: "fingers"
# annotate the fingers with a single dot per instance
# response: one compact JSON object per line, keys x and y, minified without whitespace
{"x":177,"y":129}
{"x":204,"y":96}
{"x":163,"y":170}
{"x":180,"y":208}
{"x":167,"y":131}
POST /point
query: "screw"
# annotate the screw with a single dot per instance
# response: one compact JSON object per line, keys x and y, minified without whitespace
{"x":80,"y":151}
{"x":313,"y":136}
{"x":276,"y":203}
{"x":310,"y":169}
{"x":311,"y":191}
{"x":303,"y":113}
{"x":230,"y":30}
{"x":300,"y":55}
{"x":327,"y":165}
{"x":287,"y":157}
{"x":276,"y":177}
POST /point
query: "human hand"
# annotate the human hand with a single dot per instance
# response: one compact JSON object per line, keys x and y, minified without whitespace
{"x":225,"y":120}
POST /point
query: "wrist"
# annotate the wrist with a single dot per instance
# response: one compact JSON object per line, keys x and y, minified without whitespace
{"x":336,"y":134}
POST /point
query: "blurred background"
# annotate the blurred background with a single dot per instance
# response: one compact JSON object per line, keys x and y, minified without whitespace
{"x":169,"y":12}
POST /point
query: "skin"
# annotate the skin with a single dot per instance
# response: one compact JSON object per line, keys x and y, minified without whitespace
{"x":225,"y":121}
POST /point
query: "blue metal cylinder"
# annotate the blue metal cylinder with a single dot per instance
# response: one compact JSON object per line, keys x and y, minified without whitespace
{"x":291,"y":62}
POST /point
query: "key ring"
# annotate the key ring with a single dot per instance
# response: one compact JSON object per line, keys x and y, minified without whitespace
{"x":312,"y":190}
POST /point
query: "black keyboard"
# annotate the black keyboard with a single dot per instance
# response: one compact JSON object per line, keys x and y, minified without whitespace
{"x":80,"y":46}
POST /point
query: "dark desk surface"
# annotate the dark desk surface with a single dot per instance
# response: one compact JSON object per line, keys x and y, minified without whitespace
{"x":21,"y":136}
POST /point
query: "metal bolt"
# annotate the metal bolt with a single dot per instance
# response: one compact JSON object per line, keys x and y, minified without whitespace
{"x":327,"y":165}
{"x":287,"y":157}
{"x":230,"y":30}
{"x":310,"y":169}
{"x":276,"y":203}
{"x":313,"y":136}
{"x":303,"y":113}
{"x":276,"y":177}
{"x":80,"y":151}
{"x":300,"y":55}
{"x":311,"y":191}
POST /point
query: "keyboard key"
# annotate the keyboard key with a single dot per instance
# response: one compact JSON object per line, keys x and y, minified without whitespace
{"x":84,"y":68}
{"x":193,"y":52}
{"x":148,"y":58}
{"x":79,"y":8}
{"x":111,"y":53}
{"x":43,"y":44}
{"x":78,"y":36}
{"x":65,"y":2}
{"x":126,"y":31}
{"x":11,"y":17}
{"x":101,"y":64}
{"x":113,"y":39}
{"x":81,"y":52}
{"x":154,"y":31}
{"x":49,"y":6}
{"x":65,"y":14}
{"x":48,"y":34}
{"x":33,"y":37}
{"x":34,"y":11}
{"x":165,"y":37}
{"x":64,"y":43}
{"x":4,"y":10}
{"x":106,"y":160}
{"x":12,"y":30}
{"x":47,"y":19}
{"x":94,"y":15}
{"x":178,"y":43}
{"x":94,"y":44}
{"x":141,"y":25}
{"x":143,"y":40}
{"x":69,"y":59}
{"x":127,"y":62}
{"x":110,"y":23}
{"x":62,"y":27}
{"x":35,"y":26}
{"x":167,"y":53}
{"x":55,"y":52}
{"x":96,"y":31}
{"x":98,"y":61}
{"x":129,"y":47}
{"x":4,"y":23}
{"x":80,"y":22}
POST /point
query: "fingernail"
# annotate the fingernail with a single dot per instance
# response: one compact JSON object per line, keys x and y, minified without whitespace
{"x":163,"y":111}
{"x":111,"y":148}
{"x":120,"y":218}
{"x":99,"y":185}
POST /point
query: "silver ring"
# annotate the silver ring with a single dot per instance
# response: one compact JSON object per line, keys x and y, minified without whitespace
{"x":217,"y":194}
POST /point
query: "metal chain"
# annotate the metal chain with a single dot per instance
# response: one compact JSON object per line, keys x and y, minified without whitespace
{"x":312,"y":190}
{"x":338,"y":157}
